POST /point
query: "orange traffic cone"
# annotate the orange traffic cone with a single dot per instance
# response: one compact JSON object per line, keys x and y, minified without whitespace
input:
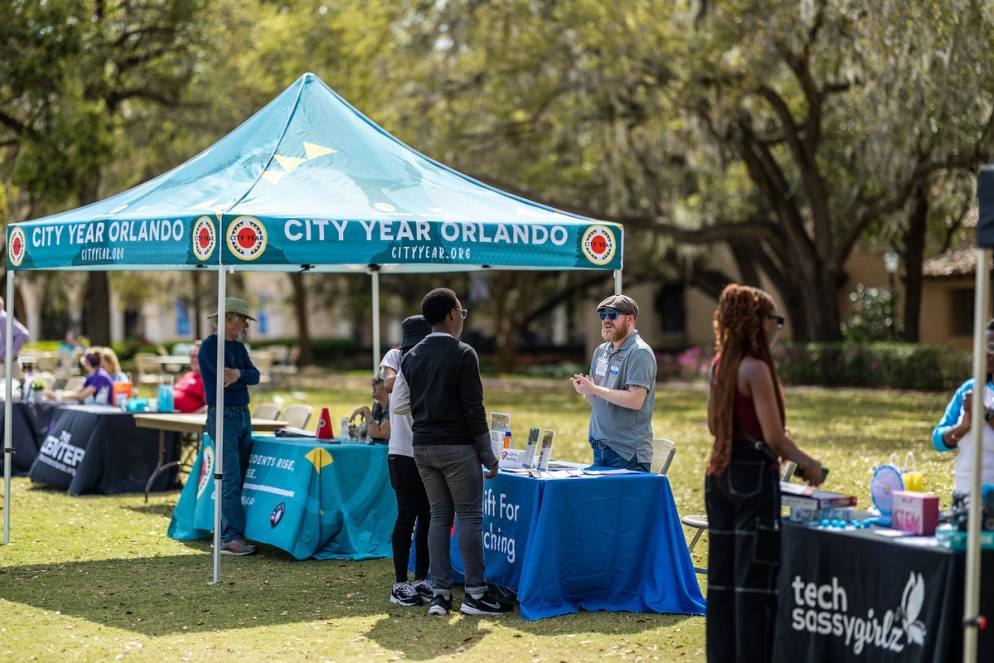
{"x":325,"y":431}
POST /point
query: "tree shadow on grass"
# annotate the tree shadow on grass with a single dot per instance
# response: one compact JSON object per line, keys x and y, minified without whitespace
{"x":164,"y":595}
{"x":170,"y":594}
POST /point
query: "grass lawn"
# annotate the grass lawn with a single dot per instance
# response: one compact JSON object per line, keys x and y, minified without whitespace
{"x":96,"y":578}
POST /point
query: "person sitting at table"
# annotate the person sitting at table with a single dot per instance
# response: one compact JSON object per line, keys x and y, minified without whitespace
{"x":70,"y":345}
{"x":111,"y":365}
{"x":377,"y":420}
{"x":953,"y":433}
{"x":742,"y":485}
{"x":98,"y":388}
{"x":239,"y":373}
{"x":188,"y":392}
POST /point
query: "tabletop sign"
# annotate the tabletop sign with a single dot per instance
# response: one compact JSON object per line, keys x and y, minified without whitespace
{"x":512,"y":458}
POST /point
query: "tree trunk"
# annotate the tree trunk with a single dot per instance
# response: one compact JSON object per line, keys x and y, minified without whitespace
{"x":97,"y":301}
{"x":914,"y":258}
{"x":510,"y":292}
{"x":306,"y":356}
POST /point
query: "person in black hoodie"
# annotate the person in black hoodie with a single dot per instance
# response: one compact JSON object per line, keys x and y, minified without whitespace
{"x":444,"y":394}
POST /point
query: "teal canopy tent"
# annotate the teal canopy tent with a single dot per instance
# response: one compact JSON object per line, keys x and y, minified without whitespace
{"x":308,"y":183}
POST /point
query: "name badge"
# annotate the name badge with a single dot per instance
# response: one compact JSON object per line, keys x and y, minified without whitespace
{"x":615,"y":369}
{"x":601,"y":369}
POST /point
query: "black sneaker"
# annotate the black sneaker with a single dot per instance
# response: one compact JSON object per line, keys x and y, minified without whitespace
{"x":485,"y":605}
{"x":403,"y":593}
{"x":440,"y":606}
{"x":424,"y":589}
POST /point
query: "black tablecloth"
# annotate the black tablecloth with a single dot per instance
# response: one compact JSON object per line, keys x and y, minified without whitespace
{"x":98,"y":449}
{"x":858,"y":596}
{"x":31,"y":422}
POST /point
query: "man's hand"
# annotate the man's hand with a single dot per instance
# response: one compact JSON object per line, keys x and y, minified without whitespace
{"x":583,"y":385}
{"x":231,"y":376}
{"x":491,"y":472}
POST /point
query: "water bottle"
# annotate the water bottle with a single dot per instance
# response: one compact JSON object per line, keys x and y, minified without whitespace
{"x":166,"y":394}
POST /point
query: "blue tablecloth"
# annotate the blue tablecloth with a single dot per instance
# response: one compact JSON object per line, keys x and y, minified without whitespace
{"x":329,"y":501}
{"x":587,"y":543}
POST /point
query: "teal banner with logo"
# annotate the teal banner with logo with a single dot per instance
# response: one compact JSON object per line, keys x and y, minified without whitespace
{"x":328,"y":501}
{"x":250,"y":240}
{"x":107,"y":243}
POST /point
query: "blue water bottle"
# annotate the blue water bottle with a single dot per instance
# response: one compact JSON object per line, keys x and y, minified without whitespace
{"x":166,"y":394}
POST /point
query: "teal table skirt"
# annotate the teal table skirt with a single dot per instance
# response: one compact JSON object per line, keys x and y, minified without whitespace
{"x":327,"y":501}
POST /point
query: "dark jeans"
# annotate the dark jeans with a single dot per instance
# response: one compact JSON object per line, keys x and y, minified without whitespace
{"x":453,"y":478}
{"x":605,"y":456}
{"x":412,"y":508}
{"x":237,"y":445}
{"x":743,"y":507}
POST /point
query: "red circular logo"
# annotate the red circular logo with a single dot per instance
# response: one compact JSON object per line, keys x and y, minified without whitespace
{"x":247,"y":238}
{"x":204,"y":238}
{"x":16,"y":246}
{"x":598,"y":245}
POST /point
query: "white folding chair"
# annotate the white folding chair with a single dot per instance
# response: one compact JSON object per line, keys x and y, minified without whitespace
{"x":662,"y":455}
{"x":265,"y":411}
{"x":297,"y":415}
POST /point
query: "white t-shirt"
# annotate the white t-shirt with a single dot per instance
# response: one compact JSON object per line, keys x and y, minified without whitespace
{"x":401,"y":432}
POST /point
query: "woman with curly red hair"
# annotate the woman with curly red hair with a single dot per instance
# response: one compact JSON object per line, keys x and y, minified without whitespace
{"x":742,"y":487}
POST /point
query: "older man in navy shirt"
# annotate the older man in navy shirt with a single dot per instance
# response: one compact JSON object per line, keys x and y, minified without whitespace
{"x":239,"y":373}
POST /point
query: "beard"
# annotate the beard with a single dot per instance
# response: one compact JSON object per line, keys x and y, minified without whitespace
{"x":618,"y":332}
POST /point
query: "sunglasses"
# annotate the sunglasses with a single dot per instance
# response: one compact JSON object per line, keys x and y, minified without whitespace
{"x":608,"y":315}
{"x":463,"y":312}
{"x":780,"y":320}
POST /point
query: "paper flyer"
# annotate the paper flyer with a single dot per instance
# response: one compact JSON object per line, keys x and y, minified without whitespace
{"x":529,"y":459}
{"x":500,"y":423}
{"x":548,"y":437}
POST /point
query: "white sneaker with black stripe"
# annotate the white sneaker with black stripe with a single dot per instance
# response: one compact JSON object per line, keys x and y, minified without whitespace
{"x":485,"y":605}
{"x":403,"y":593}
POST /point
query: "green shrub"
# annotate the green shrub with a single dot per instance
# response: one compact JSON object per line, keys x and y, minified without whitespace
{"x":879,"y":365}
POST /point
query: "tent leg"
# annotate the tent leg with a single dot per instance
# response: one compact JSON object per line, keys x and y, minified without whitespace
{"x":981,"y":312}
{"x":219,"y":425}
{"x":617,"y":281}
{"x":8,"y":405}
{"x":376,"y":320}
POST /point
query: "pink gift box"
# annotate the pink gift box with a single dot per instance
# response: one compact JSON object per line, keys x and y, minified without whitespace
{"x":917,"y":513}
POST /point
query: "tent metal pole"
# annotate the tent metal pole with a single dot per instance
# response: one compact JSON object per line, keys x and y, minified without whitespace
{"x":218,"y":425}
{"x":617,"y":281}
{"x":375,"y":273}
{"x":981,"y":313}
{"x":8,"y":404}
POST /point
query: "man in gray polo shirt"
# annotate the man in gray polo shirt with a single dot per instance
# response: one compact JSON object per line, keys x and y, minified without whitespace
{"x":621,"y":389}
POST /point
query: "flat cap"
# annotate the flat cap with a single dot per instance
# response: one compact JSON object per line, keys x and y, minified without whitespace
{"x":620,"y":303}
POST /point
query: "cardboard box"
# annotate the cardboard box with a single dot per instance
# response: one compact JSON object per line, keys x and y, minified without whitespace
{"x":917,"y":513}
